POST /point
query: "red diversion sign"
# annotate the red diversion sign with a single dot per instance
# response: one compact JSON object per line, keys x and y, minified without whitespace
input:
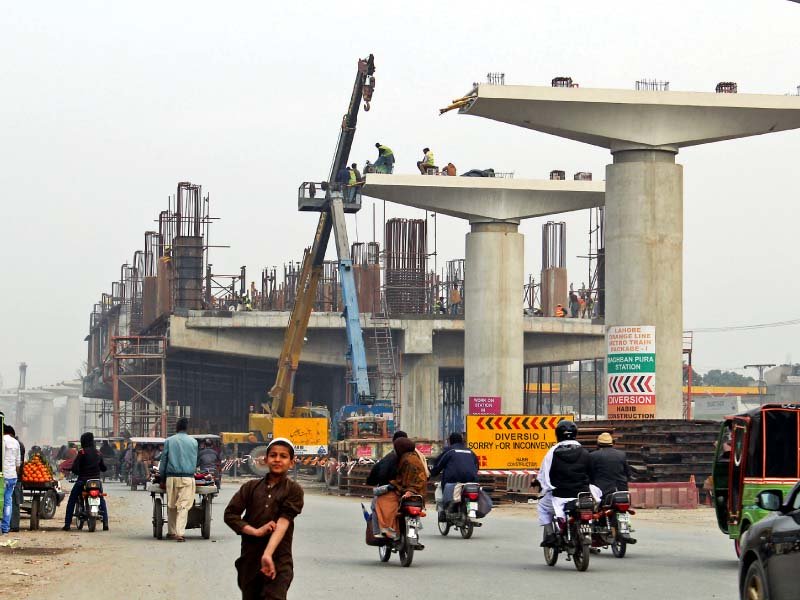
{"x":512,"y":441}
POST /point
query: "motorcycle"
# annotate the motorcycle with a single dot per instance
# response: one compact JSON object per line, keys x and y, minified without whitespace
{"x":574,"y":533}
{"x":409,"y":525}
{"x":611,"y":525}
{"x":88,"y":509}
{"x":462,"y":515}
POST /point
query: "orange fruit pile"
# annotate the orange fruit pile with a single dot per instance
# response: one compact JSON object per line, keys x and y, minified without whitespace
{"x":36,"y":471}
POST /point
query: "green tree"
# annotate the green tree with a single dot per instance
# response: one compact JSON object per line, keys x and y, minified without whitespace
{"x":717,"y":377}
{"x":697,"y":379}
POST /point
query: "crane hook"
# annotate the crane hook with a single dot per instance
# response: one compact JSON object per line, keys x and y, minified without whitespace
{"x":366,"y":106}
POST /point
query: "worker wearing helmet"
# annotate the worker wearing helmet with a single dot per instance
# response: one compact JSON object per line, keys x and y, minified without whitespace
{"x":565,"y":472}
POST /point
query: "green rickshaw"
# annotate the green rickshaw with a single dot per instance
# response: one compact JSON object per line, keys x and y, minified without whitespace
{"x":756,"y":450}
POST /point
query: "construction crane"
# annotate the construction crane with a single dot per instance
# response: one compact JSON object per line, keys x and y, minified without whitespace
{"x":332,"y":200}
{"x":336,"y":199}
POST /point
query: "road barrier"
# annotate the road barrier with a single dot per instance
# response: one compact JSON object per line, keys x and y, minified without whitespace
{"x":665,"y":494}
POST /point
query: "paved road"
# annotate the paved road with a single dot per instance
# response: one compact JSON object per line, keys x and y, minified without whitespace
{"x":674,"y":559}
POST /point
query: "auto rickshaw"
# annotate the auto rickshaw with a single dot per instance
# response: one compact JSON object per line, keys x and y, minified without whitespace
{"x":756,"y":450}
{"x":145,"y":452}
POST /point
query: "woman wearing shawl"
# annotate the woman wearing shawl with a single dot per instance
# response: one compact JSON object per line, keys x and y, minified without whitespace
{"x":411,"y":479}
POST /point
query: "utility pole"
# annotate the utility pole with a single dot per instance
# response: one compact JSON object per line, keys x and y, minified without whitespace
{"x":761,"y":368}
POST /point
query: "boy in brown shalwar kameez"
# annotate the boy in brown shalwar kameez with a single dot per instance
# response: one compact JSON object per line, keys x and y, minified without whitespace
{"x":269,"y":505}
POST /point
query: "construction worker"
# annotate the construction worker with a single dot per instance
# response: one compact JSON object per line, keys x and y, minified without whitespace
{"x":450,"y":170}
{"x":559,"y":311}
{"x":455,"y":299}
{"x":385,"y":162}
{"x":342,"y":177}
{"x":353,"y":183}
{"x":354,"y":171}
{"x":427,"y":161}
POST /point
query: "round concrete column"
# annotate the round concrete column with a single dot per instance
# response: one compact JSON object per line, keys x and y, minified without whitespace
{"x":493,"y":337}
{"x":46,"y":423}
{"x":644,"y":260}
{"x":72,"y":428}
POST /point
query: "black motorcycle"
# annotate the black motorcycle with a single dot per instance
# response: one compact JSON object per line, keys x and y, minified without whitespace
{"x":408,"y":526}
{"x":88,"y":508}
{"x":463,"y":514}
{"x":574,"y":533}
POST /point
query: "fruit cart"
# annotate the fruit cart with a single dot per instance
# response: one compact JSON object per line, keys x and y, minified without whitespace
{"x":38,"y":484}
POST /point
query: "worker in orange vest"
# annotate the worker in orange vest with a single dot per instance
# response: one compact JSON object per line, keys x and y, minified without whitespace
{"x":560,"y":312}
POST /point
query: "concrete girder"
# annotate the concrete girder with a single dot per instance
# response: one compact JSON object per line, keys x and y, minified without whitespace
{"x":621,"y":119}
{"x":486,"y":198}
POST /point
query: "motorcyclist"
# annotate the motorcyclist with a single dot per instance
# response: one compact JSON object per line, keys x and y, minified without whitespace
{"x":457,"y":464}
{"x":88,"y":464}
{"x":565,"y":472}
{"x":208,"y":460}
{"x":610,"y":470}
{"x":385,"y":469}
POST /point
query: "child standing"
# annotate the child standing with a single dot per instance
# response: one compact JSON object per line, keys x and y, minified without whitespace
{"x":263,"y":513}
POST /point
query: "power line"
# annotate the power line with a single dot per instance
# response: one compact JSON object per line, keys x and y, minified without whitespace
{"x":746,"y":327}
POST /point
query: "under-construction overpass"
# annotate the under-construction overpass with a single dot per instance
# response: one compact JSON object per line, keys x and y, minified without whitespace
{"x":174,"y":338}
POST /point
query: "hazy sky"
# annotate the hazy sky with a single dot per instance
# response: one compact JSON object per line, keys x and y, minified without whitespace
{"x":105,"y":107}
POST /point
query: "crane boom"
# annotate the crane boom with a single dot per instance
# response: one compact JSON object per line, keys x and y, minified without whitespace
{"x":331,"y":218}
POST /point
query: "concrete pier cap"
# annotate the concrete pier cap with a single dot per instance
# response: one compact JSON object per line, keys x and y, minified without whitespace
{"x":493,"y":317}
{"x":644,"y":130}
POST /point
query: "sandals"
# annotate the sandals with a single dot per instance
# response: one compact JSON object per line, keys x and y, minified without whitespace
{"x":180,"y":538}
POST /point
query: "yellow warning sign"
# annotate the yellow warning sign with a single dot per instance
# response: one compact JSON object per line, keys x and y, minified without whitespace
{"x":309,"y":435}
{"x":512,"y":441}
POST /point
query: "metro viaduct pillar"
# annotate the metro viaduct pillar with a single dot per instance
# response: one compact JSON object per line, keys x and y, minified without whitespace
{"x":493,"y":317}
{"x":644,"y":130}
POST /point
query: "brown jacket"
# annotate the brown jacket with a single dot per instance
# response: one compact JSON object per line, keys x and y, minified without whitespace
{"x":262,"y":503}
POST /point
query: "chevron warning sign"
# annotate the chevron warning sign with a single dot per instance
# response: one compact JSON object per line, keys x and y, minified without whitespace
{"x":512,"y":441}
{"x":631,"y":368}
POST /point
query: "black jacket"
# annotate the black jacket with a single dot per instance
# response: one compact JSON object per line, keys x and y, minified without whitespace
{"x":609,"y":470}
{"x":384,"y":470}
{"x":457,"y":464}
{"x":207,"y":458}
{"x":88,"y":464}
{"x":570,"y":471}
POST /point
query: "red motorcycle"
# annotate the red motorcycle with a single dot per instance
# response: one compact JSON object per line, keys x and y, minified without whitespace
{"x":611,"y":525}
{"x":408,"y":525}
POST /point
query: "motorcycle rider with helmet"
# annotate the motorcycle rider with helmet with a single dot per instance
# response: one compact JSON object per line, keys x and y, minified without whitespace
{"x":457,"y":464}
{"x":565,"y":472}
{"x":88,"y":464}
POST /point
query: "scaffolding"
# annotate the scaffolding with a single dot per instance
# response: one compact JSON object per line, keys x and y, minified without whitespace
{"x":139,"y":386}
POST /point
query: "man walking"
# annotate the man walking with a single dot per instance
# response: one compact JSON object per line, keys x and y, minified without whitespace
{"x":177,"y":467}
{"x":11,"y":463}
